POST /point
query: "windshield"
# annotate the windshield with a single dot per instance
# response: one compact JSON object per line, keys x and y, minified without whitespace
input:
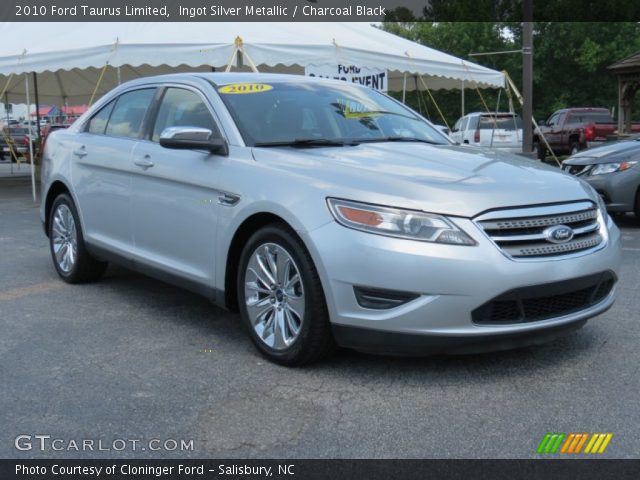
{"x":503,"y":122}
{"x":321,"y":114}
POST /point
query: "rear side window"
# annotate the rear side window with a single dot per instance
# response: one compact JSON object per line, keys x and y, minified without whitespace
{"x":98,"y":122}
{"x":590,"y":117}
{"x":473,"y":123}
{"x":128,"y":113}
{"x":182,"y":108}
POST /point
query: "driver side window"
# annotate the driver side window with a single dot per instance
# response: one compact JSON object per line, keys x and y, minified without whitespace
{"x":182,"y":108}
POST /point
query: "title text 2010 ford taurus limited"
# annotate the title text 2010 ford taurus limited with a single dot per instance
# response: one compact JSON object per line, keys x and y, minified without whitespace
{"x":325,"y":213}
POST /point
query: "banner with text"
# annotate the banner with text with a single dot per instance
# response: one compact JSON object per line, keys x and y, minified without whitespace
{"x":371,"y":77}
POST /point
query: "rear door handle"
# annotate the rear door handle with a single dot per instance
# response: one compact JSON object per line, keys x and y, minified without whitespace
{"x":80,"y":152}
{"x":144,"y":162}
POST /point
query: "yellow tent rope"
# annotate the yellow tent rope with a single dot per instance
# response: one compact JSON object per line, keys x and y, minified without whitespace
{"x":104,"y":69}
{"x":486,"y":107}
{"x":95,"y":90}
{"x":535,"y":124}
{"x":426,"y":87}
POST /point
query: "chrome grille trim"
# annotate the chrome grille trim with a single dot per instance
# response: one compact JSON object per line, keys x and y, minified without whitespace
{"x":539,"y":236}
{"x":538,"y":250}
{"x":512,"y":223}
{"x":520,"y":233}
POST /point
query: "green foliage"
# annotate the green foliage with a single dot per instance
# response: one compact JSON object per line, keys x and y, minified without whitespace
{"x":570,"y":60}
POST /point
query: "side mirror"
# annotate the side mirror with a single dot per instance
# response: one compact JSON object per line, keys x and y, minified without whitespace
{"x":193,"y":138}
{"x":542,"y":123}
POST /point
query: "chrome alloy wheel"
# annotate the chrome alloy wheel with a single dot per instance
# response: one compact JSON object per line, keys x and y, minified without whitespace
{"x":274,"y":296}
{"x":64,"y":240}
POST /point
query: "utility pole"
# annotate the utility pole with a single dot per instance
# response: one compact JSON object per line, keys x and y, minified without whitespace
{"x":527,"y":77}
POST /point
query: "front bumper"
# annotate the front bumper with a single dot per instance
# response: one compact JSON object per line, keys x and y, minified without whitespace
{"x":390,"y":343}
{"x":452,"y":281}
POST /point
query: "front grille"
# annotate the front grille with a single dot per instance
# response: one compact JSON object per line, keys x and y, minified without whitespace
{"x":525,"y":233}
{"x":541,"y":302}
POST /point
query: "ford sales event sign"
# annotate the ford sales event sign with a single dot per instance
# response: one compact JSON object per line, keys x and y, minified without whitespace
{"x":370,"y":77}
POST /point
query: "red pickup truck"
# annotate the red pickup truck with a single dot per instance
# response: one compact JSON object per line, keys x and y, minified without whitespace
{"x":570,"y":130}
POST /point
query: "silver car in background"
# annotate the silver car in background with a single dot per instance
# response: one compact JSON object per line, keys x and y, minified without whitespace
{"x":325,"y":213}
{"x":613,"y":170}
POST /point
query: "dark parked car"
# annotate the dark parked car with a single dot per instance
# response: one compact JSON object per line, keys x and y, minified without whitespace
{"x":614,"y":171}
{"x":14,"y":142}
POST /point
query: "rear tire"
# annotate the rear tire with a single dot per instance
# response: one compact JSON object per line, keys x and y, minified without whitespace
{"x":281,"y":300}
{"x":70,"y":257}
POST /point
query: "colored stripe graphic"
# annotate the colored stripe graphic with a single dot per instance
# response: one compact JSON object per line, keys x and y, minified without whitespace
{"x":543,"y":443}
{"x":598,"y":443}
{"x":581,"y":442}
{"x":572,"y":443}
{"x":565,"y":447}
{"x":551,"y":442}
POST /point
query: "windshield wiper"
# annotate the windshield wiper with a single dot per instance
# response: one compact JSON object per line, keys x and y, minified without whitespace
{"x":308,"y":142}
{"x":401,"y":139}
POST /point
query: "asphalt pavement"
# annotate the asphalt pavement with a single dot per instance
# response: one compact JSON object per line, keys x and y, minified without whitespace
{"x":131,"y":359}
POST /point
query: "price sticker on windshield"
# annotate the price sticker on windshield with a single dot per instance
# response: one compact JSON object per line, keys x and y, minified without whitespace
{"x":244,"y":88}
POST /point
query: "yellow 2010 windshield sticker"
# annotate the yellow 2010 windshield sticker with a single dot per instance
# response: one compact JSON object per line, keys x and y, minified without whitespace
{"x":243,"y":88}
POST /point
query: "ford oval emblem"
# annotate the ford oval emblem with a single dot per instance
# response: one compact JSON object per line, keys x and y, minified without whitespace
{"x":558,"y":234}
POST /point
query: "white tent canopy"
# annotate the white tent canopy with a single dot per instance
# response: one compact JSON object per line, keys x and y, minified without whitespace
{"x":69,"y":58}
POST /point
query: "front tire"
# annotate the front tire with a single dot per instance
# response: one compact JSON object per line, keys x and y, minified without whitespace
{"x":281,"y":300}
{"x":70,"y":257}
{"x":637,"y":205}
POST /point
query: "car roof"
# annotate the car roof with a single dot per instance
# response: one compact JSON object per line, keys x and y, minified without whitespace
{"x":585,"y":109}
{"x":490,"y":113}
{"x":224,"y":78}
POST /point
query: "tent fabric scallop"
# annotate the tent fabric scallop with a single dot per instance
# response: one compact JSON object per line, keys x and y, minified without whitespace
{"x":69,"y":57}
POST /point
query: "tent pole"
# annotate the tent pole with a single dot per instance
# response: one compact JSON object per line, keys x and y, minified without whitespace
{"x":6,"y":103}
{"x":37,"y":99}
{"x":33,"y":171}
{"x":404,"y":88}
{"x":462,"y":99}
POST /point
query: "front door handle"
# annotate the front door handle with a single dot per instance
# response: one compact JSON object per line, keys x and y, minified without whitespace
{"x":144,"y":162}
{"x":80,"y":152}
{"x":228,"y":199}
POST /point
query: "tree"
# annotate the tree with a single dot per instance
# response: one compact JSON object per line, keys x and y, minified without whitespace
{"x":570,"y":60}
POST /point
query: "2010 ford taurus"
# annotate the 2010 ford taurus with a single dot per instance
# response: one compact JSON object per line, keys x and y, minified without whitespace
{"x":327,"y":214}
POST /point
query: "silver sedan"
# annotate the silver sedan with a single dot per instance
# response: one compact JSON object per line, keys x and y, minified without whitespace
{"x":326,"y":214}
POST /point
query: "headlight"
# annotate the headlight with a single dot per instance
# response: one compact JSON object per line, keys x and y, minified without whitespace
{"x":395,"y":222}
{"x":603,"y":168}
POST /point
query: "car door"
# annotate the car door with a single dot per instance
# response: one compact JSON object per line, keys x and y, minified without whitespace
{"x":101,"y":169}
{"x":455,"y":132}
{"x":468,"y":128}
{"x":175,"y":194}
{"x":554,"y":132}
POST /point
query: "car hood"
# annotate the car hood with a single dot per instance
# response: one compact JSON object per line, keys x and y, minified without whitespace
{"x":448,"y":179}
{"x":614,"y":152}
